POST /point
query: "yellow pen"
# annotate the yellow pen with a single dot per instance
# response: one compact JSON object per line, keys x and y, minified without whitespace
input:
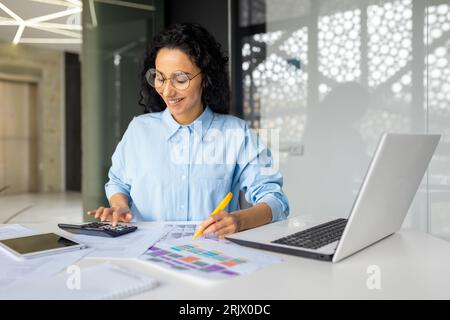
{"x":220,"y":207}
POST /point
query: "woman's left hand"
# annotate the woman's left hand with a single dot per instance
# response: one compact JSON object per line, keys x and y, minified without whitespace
{"x":221,"y":224}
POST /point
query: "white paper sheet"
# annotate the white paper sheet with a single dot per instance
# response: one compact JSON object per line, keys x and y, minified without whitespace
{"x":14,"y":230}
{"x":131,"y":245}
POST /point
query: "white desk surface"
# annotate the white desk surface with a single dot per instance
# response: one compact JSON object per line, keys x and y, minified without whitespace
{"x":412,"y":264}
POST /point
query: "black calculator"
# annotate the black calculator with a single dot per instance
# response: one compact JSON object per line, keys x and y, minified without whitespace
{"x":100,"y":229}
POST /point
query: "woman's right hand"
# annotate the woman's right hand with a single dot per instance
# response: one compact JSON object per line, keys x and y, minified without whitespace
{"x":114,"y":214}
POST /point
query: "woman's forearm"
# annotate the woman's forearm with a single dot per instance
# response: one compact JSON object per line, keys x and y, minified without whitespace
{"x":253,"y":217}
{"x":119,"y":200}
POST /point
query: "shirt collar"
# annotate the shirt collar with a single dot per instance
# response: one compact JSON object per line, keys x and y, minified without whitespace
{"x":169,"y":121}
{"x":200,"y":125}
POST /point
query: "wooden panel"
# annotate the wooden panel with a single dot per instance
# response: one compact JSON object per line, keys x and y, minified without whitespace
{"x":18,"y":137}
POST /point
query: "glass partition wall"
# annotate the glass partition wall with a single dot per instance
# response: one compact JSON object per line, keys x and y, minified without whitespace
{"x":115,"y":35}
{"x":329,"y":77}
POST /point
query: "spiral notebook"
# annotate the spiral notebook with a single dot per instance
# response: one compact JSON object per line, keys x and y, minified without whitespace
{"x":99,"y":282}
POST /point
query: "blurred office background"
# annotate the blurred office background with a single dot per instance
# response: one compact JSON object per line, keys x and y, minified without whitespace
{"x":330,"y":75}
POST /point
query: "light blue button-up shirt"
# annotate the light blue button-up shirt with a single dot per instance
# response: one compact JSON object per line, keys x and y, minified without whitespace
{"x":175,"y":172}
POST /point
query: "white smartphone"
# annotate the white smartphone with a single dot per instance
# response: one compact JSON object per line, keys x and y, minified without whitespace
{"x":39,"y":245}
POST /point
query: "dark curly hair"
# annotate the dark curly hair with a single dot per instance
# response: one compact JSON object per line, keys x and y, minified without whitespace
{"x":205,"y":52}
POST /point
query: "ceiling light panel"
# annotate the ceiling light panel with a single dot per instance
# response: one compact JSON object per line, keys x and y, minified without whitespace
{"x":41,"y":21}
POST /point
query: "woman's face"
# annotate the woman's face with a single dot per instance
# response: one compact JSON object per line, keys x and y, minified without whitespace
{"x":184,"y":105}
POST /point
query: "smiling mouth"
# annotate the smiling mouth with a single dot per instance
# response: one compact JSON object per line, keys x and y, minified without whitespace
{"x":173,"y":102}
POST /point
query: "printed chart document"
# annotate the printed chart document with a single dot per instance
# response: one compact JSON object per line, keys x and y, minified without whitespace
{"x":130,"y":245}
{"x":101,"y":281}
{"x":185,"y":229}
{"x":207,"y":259}
{"x":179,"y":230}
{"x":14,"y":270}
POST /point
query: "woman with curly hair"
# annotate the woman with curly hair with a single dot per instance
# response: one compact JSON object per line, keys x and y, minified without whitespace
{"x":185,"y":153}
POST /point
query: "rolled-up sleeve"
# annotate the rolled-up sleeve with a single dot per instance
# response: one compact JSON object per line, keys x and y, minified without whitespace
{"x":259,"y":179}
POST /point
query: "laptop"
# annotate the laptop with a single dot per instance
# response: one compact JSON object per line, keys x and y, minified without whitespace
{"x":386,"y":193}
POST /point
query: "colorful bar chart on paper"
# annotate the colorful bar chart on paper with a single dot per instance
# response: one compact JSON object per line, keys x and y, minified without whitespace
{"x":207,"y":258}
{"x":183,"y":230}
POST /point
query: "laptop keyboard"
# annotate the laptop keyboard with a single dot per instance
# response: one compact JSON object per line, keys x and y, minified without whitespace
{"x":315,"y":237}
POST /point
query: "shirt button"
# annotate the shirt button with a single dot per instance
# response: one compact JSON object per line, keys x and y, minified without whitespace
{"x":182,"y":206}
{"x":183,"y":177}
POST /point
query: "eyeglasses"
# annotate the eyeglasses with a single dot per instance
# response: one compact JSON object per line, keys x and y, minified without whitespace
{"x":179,"y":79}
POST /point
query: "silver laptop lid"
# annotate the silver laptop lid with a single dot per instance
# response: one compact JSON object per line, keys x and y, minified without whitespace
{"x":389,"y":187}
